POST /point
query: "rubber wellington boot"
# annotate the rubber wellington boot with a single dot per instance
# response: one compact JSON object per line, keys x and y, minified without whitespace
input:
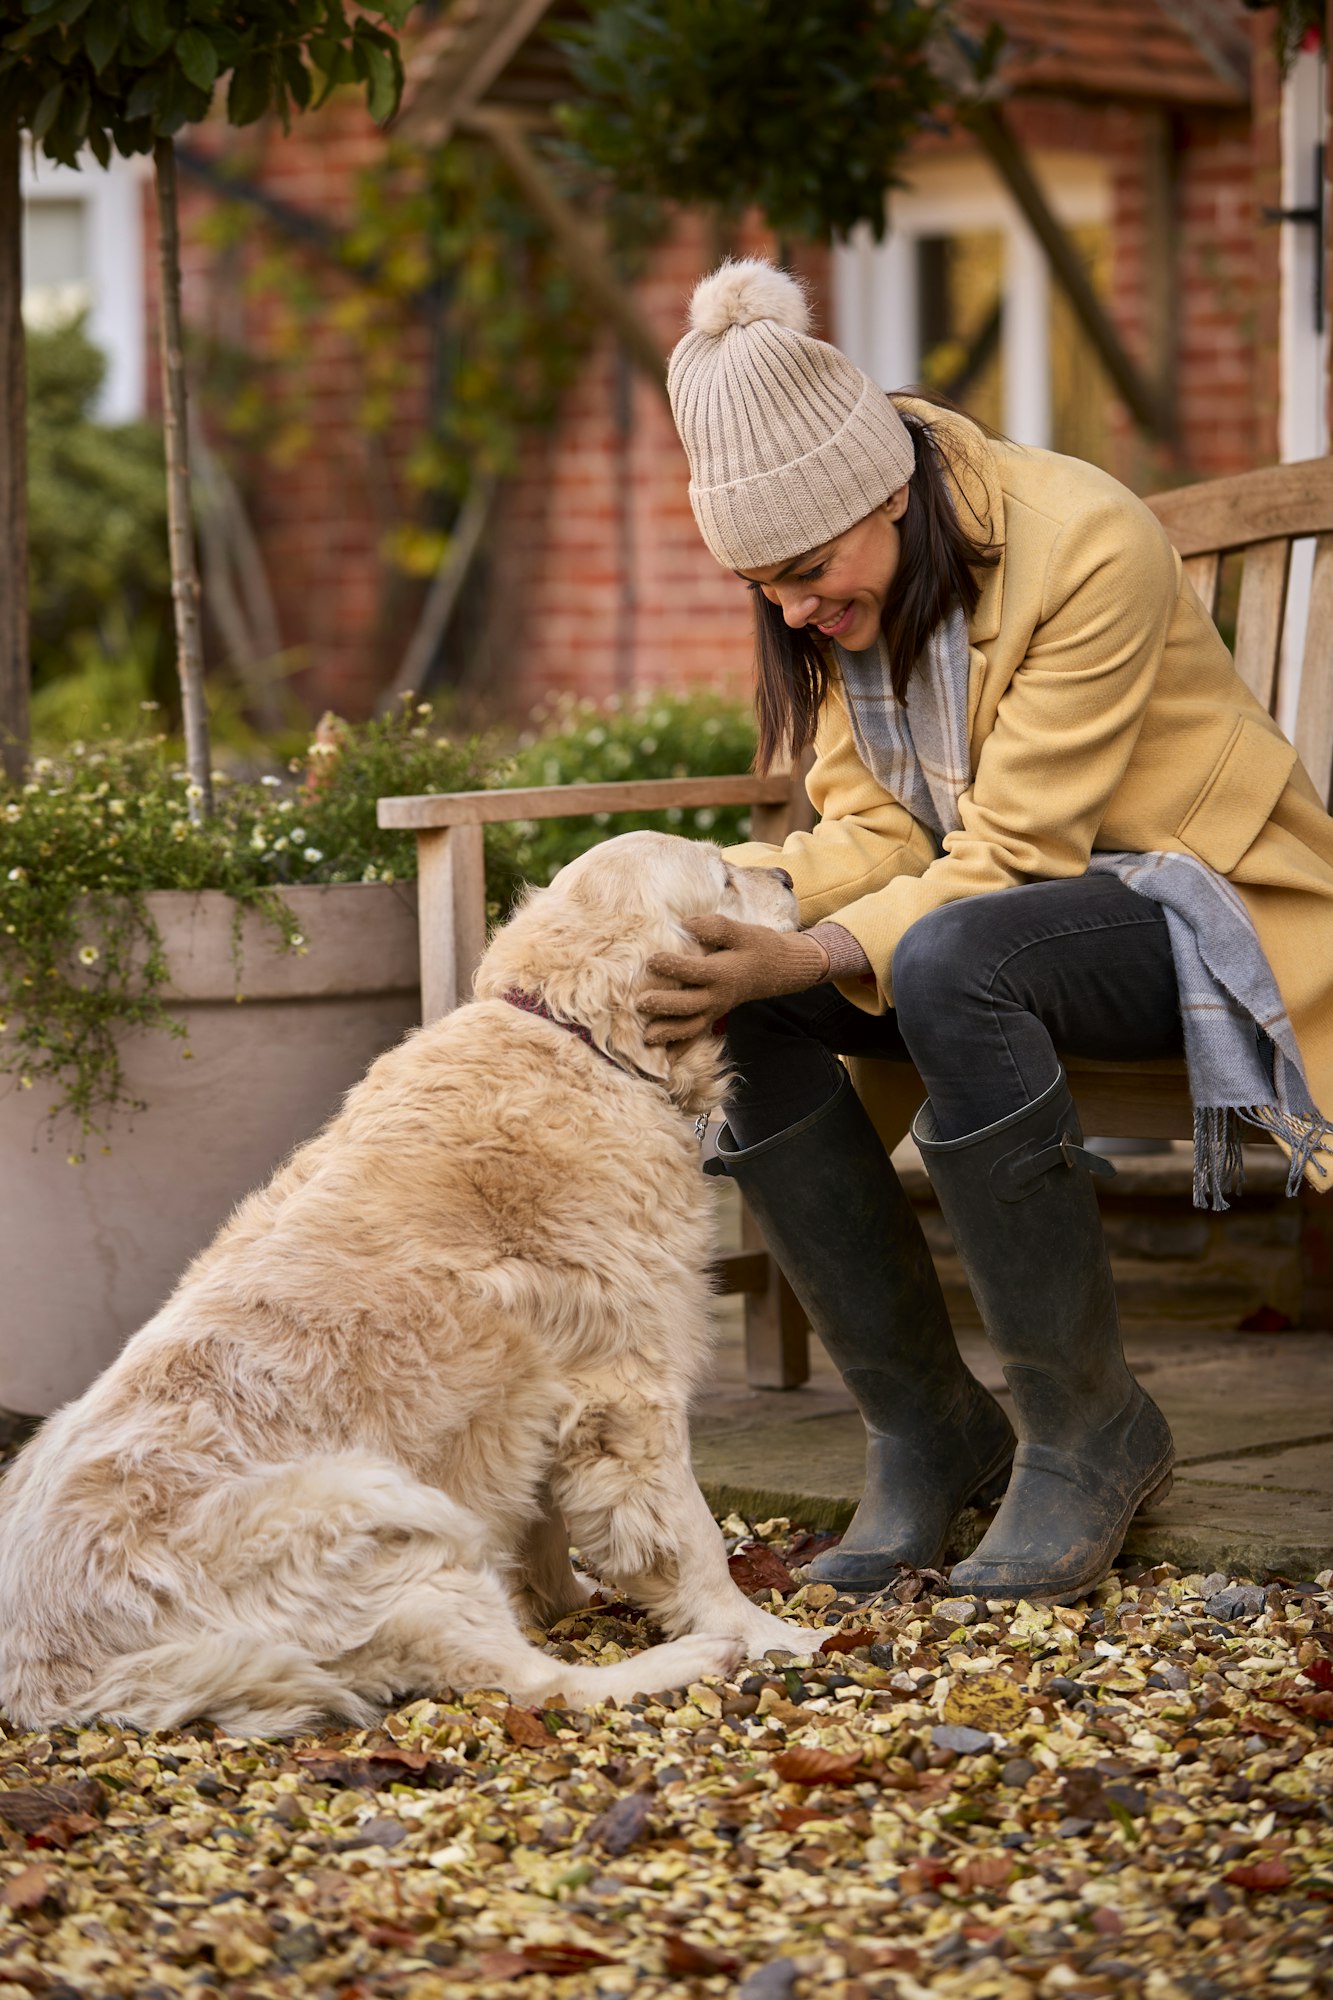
{"x":834,"y":1214}
{"x":1019,"y":1199}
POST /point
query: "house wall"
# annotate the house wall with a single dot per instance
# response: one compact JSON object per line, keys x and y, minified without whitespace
{"x":595,"y":578}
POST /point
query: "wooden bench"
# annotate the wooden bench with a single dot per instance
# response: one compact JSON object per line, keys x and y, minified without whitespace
{"x":1255,"y":516}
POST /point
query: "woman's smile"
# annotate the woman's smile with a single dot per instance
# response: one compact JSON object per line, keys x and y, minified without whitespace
{"x":834,"y":627}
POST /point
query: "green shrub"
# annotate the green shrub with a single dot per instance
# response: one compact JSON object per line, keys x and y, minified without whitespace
{"x":652,"y":735}
{"x":97,"y":518}
{"x":93,"y":830}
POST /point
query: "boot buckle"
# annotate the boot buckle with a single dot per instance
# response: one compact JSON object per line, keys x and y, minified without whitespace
{"x":1022,"y":1172}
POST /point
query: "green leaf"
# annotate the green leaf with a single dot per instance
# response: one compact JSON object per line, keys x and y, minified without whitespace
{"x":146,"y":95}
{"x":297,"y":76}
{"x":395,"y":12}
{"x":251,"y":91}
{"x":102,"y":35}
{"x":148,"y":18}
{"x":44,"y":116}
{"x":197,"y":57}
{"x":101,"y":146}
{"x":385,"y":80}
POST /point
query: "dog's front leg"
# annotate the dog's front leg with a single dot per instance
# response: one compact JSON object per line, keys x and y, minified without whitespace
{"x":549,"y":1585}
{"x":634,"y":1509}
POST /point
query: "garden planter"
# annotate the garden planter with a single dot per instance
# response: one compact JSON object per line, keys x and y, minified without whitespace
{"x":88,"y":1253}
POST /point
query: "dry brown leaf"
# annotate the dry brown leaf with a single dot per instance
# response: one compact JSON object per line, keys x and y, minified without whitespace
{"x":754,"y":1566}
{"x":34,"y":1885}
{"x":1261,"y":1877}
{"x":986,"y":1701}
{"x":807,"y":1764}
{"x":554,"y":1958}
{"x":35,"y":1809}
{"x":684,"y":1959}
{"x":621,"y":1824}
{"x":848,"y":1641}
{"x":526,"y":1728}
{"x":792,"y":1818}
{"x":372,"y":1770}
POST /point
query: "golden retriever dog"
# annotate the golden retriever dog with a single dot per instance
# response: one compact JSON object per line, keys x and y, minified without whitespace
{"x":346,"y":1458}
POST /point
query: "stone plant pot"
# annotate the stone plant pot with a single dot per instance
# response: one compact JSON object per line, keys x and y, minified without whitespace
{"x":88,"y":1253}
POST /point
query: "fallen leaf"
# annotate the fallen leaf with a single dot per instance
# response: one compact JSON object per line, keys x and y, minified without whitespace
{"x":524,"y":1727}
{"x":29,"y":1807}
{"x":1265,"y":1319}
{"x":34,"y":1885}
{"x":1083,"y":1797}
{"x":807,"y":1545}
{"x":621,"y":1824}
{"x":554,"y":1958}
{"x":792,"y":1818}
{"x":848,"y":1641}
{"x":1261,"y":1877}
{"x":682,"y":1959}
{"x":985,"y":1871}
{"x":375,"y":1769}
{"x":807,"y":1764}
{"x":986,"y":1701}
{"x":754,"y":1567}
{"x":1320,"y":1674}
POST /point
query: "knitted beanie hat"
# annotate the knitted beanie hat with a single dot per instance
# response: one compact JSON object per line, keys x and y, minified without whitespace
{"x":789,"y":442}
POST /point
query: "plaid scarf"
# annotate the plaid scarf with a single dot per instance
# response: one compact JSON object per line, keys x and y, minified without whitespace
{"x":1240,"y":1048}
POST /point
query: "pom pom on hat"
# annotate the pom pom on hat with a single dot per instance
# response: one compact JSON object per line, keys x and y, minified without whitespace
{"x":742,"y":291}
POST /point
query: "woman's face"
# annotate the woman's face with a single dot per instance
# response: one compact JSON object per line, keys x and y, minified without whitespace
{"x":841,"y":587}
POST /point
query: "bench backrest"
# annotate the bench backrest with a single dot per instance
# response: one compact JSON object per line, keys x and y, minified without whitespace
{"x":1259,"y":516}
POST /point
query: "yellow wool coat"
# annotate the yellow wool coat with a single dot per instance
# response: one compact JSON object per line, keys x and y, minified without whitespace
{"x":1104,"y":711}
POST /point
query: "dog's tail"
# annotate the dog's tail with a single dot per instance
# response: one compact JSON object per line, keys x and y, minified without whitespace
{"x":246,"y":1683}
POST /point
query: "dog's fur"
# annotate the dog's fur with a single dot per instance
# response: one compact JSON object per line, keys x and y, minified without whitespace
{"x":345,"y":1459}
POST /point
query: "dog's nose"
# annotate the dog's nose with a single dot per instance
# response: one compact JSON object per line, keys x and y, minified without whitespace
{"x":784,"y":878}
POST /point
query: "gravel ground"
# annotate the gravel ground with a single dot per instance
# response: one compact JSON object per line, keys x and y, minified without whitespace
{"x":1134,"y":1796}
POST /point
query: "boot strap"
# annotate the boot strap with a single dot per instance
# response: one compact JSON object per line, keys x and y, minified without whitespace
{"x":1021,"y":1172}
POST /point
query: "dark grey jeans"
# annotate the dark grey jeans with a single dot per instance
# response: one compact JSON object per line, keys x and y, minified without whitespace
{"x":988,"y":993}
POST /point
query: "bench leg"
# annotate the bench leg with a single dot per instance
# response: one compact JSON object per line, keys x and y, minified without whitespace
{"x":1316,"y":1259}
{"x":777,"y":1336}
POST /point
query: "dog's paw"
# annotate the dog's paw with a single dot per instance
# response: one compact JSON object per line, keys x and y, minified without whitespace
{"x":681,"y":1661}
{"x":762,"y":1634}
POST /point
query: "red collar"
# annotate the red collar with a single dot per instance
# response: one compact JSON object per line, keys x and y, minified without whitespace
{"x":530,"y":1004}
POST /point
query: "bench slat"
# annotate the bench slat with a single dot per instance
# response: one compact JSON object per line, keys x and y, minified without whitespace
{"x":432,"y":809}
{"x":1263,"y":603}
{"x":1205,"y":573}
{"x":1248,"y":507}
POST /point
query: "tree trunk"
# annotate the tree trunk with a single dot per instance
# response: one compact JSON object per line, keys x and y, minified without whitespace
{"x":14,"y":669}
{"x":180,"y":523}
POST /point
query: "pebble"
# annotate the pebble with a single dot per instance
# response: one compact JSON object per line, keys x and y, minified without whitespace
{"x":956,"y":1736}
{"x":1240,"y":1600}
{"x":956,"y":1610}
{"x":774,"y":1981}
{"x":1016,"y":1772}
{"x":882,"y":1655}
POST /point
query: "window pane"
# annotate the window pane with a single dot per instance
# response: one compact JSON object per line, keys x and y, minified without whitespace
{"x":55,"y":260}
{"x":960,"y":330}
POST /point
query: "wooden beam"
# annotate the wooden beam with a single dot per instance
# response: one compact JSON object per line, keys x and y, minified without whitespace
{"x":454,"y":66}
{"x":993,"y":132}
{"x":442,"y":597}
{"x":581,"y":248}
{"x":434,"y":809}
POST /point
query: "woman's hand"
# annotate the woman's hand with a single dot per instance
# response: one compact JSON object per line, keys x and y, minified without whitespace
{"x":740,"y":962}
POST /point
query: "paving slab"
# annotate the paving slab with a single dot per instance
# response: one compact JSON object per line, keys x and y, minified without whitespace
{"x":1252,"y":1416}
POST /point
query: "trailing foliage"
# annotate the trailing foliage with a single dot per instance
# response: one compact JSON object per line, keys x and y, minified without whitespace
{"x":109,"y":75}
{"x":95,"y":829}
{"x":97,"y":536}
{"x":800,"y":111}
{"x":652,"y":735}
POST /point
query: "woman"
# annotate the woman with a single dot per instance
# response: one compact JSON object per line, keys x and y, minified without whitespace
{"x":1052,"y":819}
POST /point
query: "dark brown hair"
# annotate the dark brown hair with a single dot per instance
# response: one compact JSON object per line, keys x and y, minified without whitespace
{"x":935,"y":572}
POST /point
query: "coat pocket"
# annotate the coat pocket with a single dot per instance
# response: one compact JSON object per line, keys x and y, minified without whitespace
{"x":1242,"y":789}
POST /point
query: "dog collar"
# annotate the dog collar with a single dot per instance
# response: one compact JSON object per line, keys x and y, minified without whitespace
{"x":530,"y":1004}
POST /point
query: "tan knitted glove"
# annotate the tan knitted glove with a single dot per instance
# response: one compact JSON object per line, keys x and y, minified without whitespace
{"x":741,"y":962}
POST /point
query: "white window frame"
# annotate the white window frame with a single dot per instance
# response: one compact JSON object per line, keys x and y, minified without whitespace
{"x":112,"y":199}
{"x":875,"y":284}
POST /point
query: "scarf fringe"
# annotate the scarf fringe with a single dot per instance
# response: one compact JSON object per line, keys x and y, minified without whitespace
{"x":1219,"y":1161}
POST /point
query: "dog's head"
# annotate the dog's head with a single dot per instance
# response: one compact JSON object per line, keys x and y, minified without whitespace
{"x":583,"y":945}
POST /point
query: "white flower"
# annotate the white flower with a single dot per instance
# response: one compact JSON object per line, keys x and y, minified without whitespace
{"x":674,"y":815}
{"x":13,"y":811}
{"x":314,"y":854}
{"x":286,"y":805}
{"x":388,"y":876}
{"x":258,"y":839}
{"x":115,"y":806}
{"x":280,"y":845}
{"x":296,"y":940}
{"x":194,"y":792}
{"x":647,"y":745}
{"x":180,"y":829}
{"x":88,"y":954}
{"x":269,"y":779}
{"x":704,"y":818}
{"x":712,"y":726}
{"x":595,"y":737}
{"x":320,"y":750}
{"x":42,"y":767}
{"x":18,"y":875}
{"x":601,"y":819}
{"x":425,"y":708}
{"x":297,"y":835}
{"x":661,"y":719}
{"x":370,"y":873}
{"x":149,"y":707}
